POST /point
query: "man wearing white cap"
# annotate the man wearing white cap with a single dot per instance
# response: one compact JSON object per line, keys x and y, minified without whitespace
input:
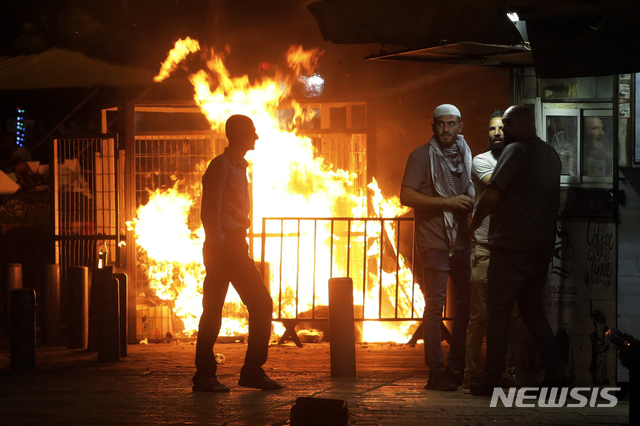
{"x":437,"y":185}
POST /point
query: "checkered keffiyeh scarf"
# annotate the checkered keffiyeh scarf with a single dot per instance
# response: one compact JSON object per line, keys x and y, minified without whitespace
{"x":456,"y":158}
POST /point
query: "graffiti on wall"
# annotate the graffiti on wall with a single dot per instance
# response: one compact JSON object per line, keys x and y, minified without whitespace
{"x":580,"y":298}
{"x":599,"y":349}
{"x":601,"y":243}
{"x":562,"y":263}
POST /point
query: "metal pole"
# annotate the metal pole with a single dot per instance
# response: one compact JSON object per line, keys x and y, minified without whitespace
{"x":342,"y":341}
{"x":108,"y":316}
{"x":94,"y":304}
{"x":50,"y":324}
{"x":23,"y":329}
{"x":123,"y":292}
{"x":634,"y":397}
{"x":78,"y":306}
{"x":14,"y":281}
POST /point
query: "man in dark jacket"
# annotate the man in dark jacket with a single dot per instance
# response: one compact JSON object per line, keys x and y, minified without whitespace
{"x":523,"y":198}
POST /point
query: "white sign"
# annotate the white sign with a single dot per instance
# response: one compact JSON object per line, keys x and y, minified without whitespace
{"x":625,"y":111}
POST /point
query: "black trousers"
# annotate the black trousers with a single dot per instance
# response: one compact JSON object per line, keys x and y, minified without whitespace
{"x":518,"y":276}
{"x":230,"y":262}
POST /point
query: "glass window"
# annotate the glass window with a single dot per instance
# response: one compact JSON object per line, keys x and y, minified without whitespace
{"x":598,"y":144}
{"x":563,"y":134}
{"x":576,"y":88}
{"x":583,"y":138}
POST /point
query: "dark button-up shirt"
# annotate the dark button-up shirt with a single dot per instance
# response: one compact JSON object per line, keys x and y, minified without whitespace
{"x":225,"y":196}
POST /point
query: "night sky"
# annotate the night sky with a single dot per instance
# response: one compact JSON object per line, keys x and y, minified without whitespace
{"x":141,"y":32}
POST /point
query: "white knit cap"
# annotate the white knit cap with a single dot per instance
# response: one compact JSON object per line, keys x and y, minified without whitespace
{"x":446,"y":109}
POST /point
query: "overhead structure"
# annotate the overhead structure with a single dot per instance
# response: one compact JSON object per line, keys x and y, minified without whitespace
{"x":560,"y":39}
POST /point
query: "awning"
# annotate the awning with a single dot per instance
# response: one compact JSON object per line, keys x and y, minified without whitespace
{"x":571,"y":38}
{"x":464,"y":53}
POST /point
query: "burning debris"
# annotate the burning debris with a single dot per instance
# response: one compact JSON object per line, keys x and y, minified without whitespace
{"x":289,"y":178}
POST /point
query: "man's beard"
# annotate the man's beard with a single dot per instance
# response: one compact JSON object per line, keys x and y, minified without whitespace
{"x":496,"y":148}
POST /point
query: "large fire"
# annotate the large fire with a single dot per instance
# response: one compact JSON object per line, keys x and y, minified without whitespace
{"x":288,"y":179}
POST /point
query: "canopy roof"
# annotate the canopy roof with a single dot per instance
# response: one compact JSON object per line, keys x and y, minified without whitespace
{"x":570,"y":38}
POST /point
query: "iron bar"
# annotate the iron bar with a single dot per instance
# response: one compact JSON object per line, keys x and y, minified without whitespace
{"x":398,"y":267}
{"x":413,"y":274}
{"x":364,"y":269}
{"x":380,"y":267}
{"x":280,"y":279}
{"x":262,"y":252}
{"x":298,"y":269}
{"x":315,"y":252}
{"x":348,"y":244}
{"x":331,"y":253}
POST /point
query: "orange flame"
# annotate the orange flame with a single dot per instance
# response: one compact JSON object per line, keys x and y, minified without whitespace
{"x":176,"y":55}
{"x":302,"y":61}
{"x":288,"y":179}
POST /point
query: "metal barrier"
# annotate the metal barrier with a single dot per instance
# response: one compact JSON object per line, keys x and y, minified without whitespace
{"x":299,"y":255}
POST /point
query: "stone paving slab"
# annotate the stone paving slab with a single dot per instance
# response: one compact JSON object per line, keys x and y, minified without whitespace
{"x":152,"y":386}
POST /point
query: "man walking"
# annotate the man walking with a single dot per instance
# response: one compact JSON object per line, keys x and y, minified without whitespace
{"x":437,"y":185}
{"x":225,"y":217}
{"x":523,"y":198}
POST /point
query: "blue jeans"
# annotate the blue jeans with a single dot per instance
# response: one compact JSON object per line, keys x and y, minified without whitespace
{"x":438,"y":267}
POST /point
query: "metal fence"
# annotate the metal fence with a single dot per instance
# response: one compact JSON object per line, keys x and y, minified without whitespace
{"x":87,"y":185}
{"x":299,"y":255}
{"x":86,"y":199}
{"x":159,"y":162}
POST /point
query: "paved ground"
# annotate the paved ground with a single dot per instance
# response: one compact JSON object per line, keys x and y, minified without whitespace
{"x":152,"y":386}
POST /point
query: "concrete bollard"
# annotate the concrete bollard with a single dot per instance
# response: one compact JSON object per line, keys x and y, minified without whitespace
{"x":94,"y":306}
{"x":342,"y":346}
{"x":78,"y":307}
{"x":634,"y":397}
{"x":50,"y":300}
{"x":108,"y":316}
{"x":14,"y":281}
{"x":123,"y":283}
{"x":23,"y":329}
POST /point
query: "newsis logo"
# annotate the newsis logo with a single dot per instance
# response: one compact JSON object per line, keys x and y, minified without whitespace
{"x":580,"y":396}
